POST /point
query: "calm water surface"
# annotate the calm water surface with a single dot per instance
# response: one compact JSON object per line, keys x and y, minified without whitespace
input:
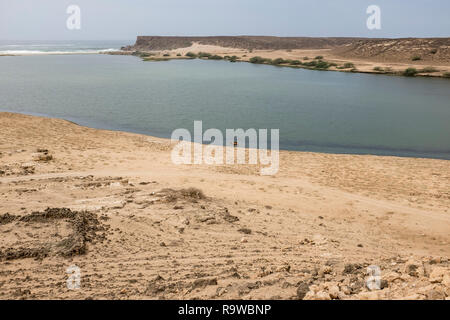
{"x":315,"y":111}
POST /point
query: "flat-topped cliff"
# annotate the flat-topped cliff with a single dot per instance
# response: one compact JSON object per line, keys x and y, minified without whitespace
{"x":154,"y":43}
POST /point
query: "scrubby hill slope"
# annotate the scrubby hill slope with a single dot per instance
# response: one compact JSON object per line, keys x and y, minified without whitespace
{"x":398,"y":50}
{"x":151,"y":43}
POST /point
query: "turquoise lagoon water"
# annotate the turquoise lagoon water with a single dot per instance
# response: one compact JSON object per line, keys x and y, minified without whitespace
{"x":315,"y":111}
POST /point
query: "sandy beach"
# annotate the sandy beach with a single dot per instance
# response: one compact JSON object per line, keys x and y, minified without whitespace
{"x":140,"y":227}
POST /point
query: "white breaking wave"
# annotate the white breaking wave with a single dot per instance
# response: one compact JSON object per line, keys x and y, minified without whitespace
{"x":39,"y":45}
{"x":40,"y":52}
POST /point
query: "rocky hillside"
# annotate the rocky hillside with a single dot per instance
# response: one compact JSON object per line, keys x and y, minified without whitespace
{"x":398,"y":50}
{"x":155,"y":43}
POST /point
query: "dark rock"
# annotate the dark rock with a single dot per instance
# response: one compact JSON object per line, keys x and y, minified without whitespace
{"x":302,"y":290}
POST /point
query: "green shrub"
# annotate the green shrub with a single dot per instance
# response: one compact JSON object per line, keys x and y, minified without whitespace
{"x":204,"y":55}
{"x":295,"y":63}
{"x":322,"y":65}
{"x":416,"y":58}
{"x":348,"y":65}
{"x":446,"y":75}
{"x":305,"y":58}
{"x":191,"y":55}
{"x":233,"y":59}
{"x":178,"y":54}
{"x":255,"y":60}
{"x":319,"y":58}
{"x":278,"y":61}
{"x":410,"y":72}
{"x":215,"y":57}
{"x":258,"y":59}
{"x":433,"y":51}
{"x":166,"y":55}
{"x":142,"y":54}
{"x":317,"y":64}
{"x":310,"y":63}
{"x":155,"y":59}
{"x":428,"y":70}
{"x":379,"y":69}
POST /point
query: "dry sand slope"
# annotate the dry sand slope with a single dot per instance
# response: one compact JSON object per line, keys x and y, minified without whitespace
{"x":140,"y":227}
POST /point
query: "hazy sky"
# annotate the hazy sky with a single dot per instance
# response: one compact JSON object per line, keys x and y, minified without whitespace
{"x":124,"y":19}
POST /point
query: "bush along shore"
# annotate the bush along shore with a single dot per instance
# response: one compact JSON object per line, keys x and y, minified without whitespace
{"x":317,"y":63}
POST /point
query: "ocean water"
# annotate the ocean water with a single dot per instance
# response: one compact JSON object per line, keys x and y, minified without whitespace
{"x":314,"y":110}
{"x":58,"y":47}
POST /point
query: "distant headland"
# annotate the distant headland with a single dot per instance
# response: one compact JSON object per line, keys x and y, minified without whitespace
{"x":403,"y":56}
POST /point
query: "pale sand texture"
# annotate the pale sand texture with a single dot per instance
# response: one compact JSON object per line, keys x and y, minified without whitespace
{"x":317,"y":215}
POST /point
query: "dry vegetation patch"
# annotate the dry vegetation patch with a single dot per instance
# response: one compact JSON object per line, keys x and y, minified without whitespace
{"x":55,"y":231}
